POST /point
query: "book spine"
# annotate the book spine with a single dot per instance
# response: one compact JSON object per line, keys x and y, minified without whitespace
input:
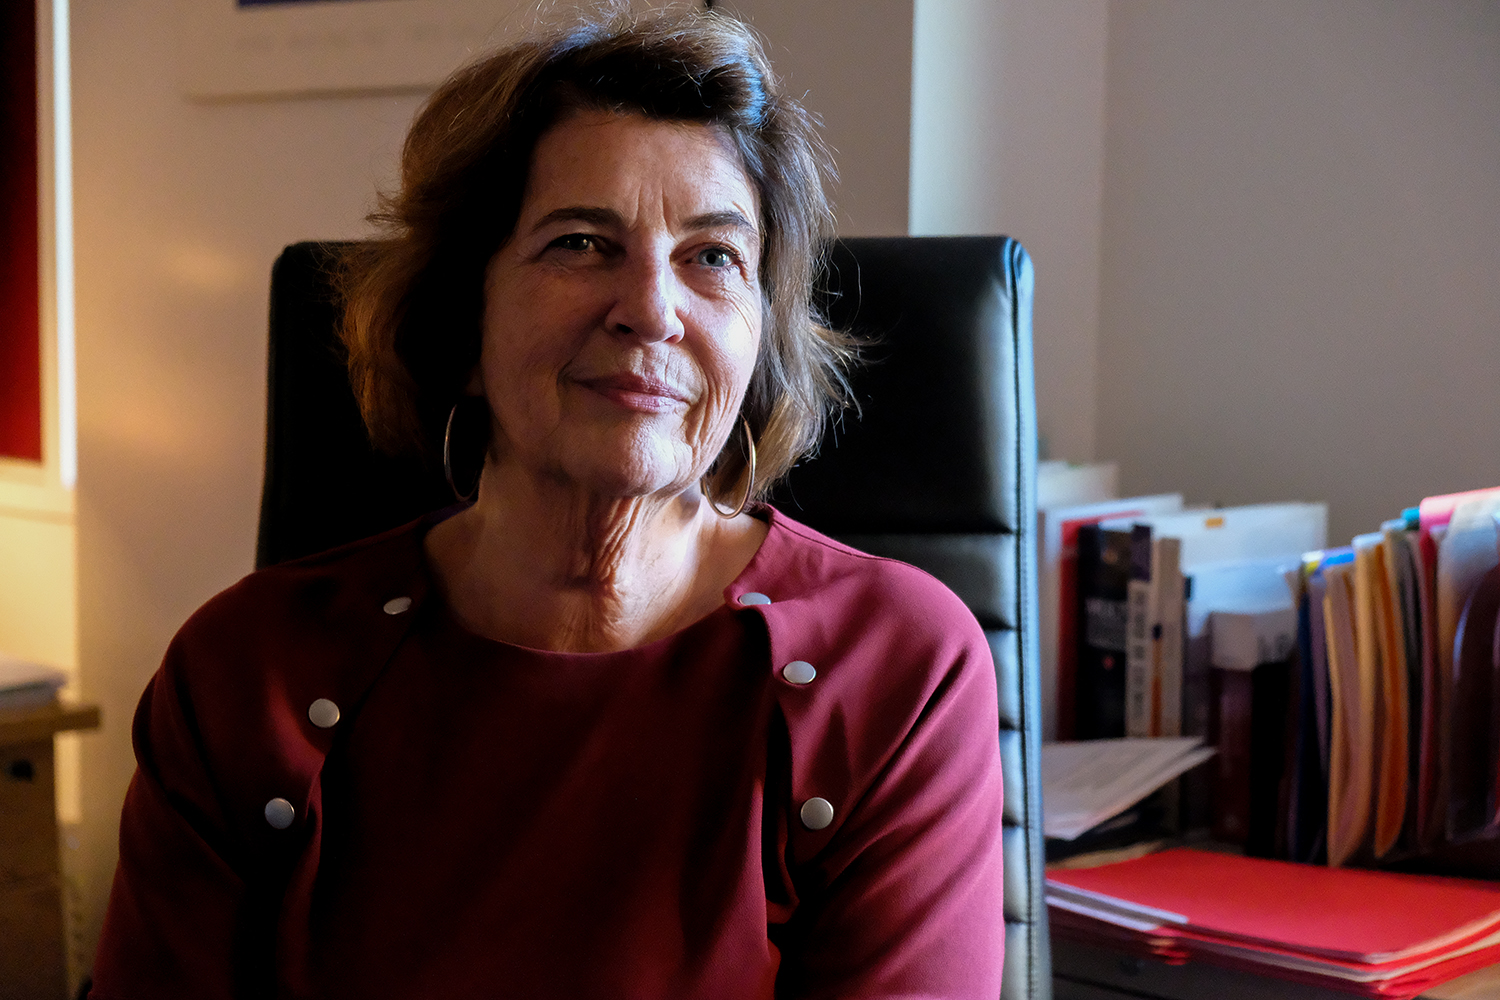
{"x":1233,"y":699}
{"x":1139,"y":646}
{"x":1171,"y":612}
{"x":1103,"y":582}
{"x":1252,"y":709}
{"x":1067,"y":632}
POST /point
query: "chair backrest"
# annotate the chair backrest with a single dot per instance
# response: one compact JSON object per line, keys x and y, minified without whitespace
{"x":937,"y":469}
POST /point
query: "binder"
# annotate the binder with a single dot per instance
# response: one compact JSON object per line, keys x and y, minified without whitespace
{"x":1345,"y":914}
{"x":1473,"y":750}
{"x":1351,"y":710}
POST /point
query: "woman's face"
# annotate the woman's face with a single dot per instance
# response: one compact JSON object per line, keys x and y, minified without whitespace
{"x":623,"y":316}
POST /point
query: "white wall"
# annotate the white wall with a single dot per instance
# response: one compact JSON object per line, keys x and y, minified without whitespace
{"x":850,"y":62}
{"x":1300,"y":292}
{"x":181,"y":209}
{"x":1008,"y":137}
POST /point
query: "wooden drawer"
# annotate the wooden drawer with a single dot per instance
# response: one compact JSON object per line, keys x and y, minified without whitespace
{"x":28,"y":824}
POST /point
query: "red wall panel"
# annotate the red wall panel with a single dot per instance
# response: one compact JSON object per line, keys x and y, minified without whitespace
{"x":20,"y":324}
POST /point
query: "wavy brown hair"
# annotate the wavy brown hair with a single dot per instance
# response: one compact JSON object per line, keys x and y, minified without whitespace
{"x":415,"y":295}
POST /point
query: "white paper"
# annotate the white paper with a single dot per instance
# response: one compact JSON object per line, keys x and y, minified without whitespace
{"x":1086,"y":782}
{"x":27,"y":685}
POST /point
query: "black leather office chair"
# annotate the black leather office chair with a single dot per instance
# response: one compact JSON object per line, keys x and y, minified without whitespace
{"x":938,"y":470}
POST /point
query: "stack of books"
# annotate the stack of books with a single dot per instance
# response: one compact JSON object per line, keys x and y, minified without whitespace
{"x":1370,"y":933}
{"x":1140,"y":598}
{"x":1352,"y":693}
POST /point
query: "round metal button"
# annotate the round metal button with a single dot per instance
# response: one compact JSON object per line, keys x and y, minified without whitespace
{"x":754,"y":598}
{"x":799,"y":672}
{"x":397,"y":605}
{"x":323,"y":713}
{"x":816,"y":813}
{"x":279,"y":813}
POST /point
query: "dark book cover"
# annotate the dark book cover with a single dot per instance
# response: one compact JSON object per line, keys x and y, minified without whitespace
{"x":1250,"y":734}
{"x":1103,"y":589}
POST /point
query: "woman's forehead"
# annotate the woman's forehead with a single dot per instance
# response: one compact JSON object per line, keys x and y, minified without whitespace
{"x":625,"y":158}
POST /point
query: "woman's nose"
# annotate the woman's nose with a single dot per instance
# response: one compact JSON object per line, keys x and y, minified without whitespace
{"x":647,"y":300}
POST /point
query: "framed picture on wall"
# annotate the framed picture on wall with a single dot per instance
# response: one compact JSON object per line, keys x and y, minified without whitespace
{"x":268,"y":48}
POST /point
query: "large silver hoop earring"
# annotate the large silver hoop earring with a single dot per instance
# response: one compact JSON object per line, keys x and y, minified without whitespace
{"x":749,"y":478}
{"x":448,"y":460}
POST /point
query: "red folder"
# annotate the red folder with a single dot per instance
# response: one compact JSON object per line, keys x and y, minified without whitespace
{"x":1344,"y":914}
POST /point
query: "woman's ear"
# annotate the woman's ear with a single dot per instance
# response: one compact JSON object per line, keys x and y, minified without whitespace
{"x":475,"y":386}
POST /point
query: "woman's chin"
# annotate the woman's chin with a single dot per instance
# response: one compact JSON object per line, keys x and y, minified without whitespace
{"x":631,"y":477}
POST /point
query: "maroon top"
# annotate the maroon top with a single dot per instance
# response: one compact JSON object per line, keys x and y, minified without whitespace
{"x":484,"y":817}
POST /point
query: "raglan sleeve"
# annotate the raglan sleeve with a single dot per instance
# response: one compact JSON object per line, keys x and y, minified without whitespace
{"x":906,"y":899}
{"x":177,"y":905}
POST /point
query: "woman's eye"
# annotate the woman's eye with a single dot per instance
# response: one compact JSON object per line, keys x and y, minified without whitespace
{"x":576,"y":242}
{"x":715,"y":257}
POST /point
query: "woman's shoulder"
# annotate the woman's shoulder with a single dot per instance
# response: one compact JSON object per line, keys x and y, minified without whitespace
{"x":315,"y":627}
{"x":830,"y":577}
{"x":884,"y":638}
{"x":360,"y":577}
{"x":885,"y":682}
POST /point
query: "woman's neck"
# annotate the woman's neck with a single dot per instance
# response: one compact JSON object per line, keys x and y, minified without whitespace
{"x":540,"y":565}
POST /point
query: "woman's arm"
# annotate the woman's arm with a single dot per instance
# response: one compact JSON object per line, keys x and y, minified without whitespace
{"x":913,"y":897}
{"x":177,"y":916}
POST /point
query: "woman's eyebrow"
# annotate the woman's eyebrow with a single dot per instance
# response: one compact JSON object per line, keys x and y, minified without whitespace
{"x":580,"y":213}
{"x":607,"y":217}
{"x":726,"y":218}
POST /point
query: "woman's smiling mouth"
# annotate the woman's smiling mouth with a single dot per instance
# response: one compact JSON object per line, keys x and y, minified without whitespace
{"x":637,"y":392}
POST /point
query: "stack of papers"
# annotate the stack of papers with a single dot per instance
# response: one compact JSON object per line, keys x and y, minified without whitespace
{"x":1375,"y":934}
{"x":1087,"y":782}
{"x":27,"y":685}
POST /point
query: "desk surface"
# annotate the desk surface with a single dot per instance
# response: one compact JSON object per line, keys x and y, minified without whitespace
{"x":1086,"y":972}
{"x":25,"y":725}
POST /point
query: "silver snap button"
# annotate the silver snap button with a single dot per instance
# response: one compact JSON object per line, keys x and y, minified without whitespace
{"x":799,"y":672}
{"x":397,"y":605}
{"x":279,"y":813}
{"x":816,"y":813}
{"x":323,"y":713}
{"x":754,"y":598}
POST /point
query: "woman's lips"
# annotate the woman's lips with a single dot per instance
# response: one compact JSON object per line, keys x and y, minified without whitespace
{"x":636,"y":392}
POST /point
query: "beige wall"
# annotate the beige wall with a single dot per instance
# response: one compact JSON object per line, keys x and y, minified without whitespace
{"x":850,"y":61}
{"x":1299,"y":293}
{"x":1008,"y":137}
{"x":970,"y":116}
{"x":181,"y":209}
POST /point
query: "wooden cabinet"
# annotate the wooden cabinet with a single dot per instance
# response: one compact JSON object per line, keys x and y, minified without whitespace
{"x":33,"y":957}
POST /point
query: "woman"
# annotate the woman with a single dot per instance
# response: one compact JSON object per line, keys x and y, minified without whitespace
{"x":613,"y":729}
